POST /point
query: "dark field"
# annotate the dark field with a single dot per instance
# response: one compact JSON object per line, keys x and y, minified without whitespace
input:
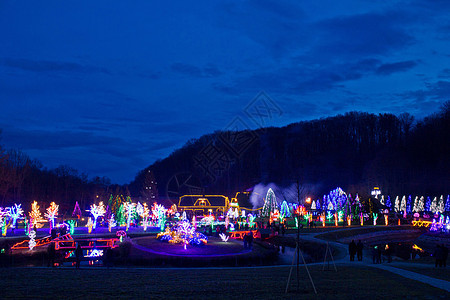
{"x":251,"y":283}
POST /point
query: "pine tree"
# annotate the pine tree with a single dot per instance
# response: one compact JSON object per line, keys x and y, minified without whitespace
{"x":403,"y":204}
{"x":441,"y":205}
{"x":433,"y":206}
{"x":408,"y":205}
{"x":149,"y":191}
{"x":388,"y":202}
{"x":428,"y":204}
{"x":447,"y":204}
{"x":420,"y":205}
{"x":397,"y":204}
{"x":416,"y":202}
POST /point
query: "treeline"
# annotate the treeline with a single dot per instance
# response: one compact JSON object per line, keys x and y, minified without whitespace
{"x":23,"y":180}
{"x":356,"y":151}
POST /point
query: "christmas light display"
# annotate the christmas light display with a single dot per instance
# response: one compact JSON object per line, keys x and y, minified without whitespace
{"x":433,"y":206}
{"x":183,"y":233}
{"x":51,"y":214}
{"x":341,"y":216}
{"x":285,"y":212}
{"x":270,"y":204}
{"x":386,"y":219}
{"x":145,"y":216}
{"x":441,"y":207}
{"x":97,"y":211}
{"x":335,"y":219}
{"x":313,"y":205}
{"x":130,"y":210}
{"x":76,"y":211}
{"x":4,"y":214}
{"x":403,"y":205}
{"x":111,"y":222}
{"x":349,"y":220}
{"x":90,"y":224}
{"x":32,"y":241}
{"x":121,"y":234}
{"x":95,"y":253}
{"x":35,"y":214}
{"x":251,"y":220}
{"x":72,"y":224}
{"x":224,"y":237}
{"x":15,"y":212}
{"x":375,"y":218}
{"x":397,"y":204}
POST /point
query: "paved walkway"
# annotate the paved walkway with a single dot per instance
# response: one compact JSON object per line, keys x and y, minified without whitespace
{"x":367,"y":261}
{"x":439,"y":283}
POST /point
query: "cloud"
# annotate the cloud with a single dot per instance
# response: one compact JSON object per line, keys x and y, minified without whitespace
{"x":362,"y":34}
{"x":387,"y":69}
{"x":50,"y":66}
{"x":193,"y":71}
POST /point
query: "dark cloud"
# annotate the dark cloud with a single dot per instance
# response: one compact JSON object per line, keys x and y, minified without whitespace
{"x":363,"y":34}
{"x":387,"y":69}
{"x":50,"y":66}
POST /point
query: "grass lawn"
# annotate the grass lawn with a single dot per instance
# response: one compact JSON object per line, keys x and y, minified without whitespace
{"x":439,"y":273}
{"x":250,"y":283}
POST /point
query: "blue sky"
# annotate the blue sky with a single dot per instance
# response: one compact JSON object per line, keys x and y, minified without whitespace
{"x":108,"y":87}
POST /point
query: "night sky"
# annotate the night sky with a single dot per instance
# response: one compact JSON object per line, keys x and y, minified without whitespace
{"x":108,"y":87}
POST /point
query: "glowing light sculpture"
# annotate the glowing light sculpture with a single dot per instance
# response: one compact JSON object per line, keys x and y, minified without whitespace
{"x":270,"y":204}
{"x":145,"y":215}
{"x":386,"y":219}
{"x":441,"y":206}
{"x":4,"y":215}
{"x":251,"y":220}
{"x":130,"y":210}
{"x":90,"y":224}
{"x":375,"y":217}
{"x":224,"y":237}
{"x":15,"y":212}
{"x":72,"y":226}
{"x":97,"y":211}
{"x":35,"y":214}
{"x":77,"y":211}
{"x":32,"y":241}
{"x":111,"y":222}
{"x":51,"y":214}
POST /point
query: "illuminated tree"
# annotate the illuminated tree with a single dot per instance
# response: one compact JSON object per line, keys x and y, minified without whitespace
{"x":447,"y":204}
{"x":420,"y":204}
{"x":35,"y":214}
{"x":4,"y":214}
{"x":440,"y":207}
{"x":76,"y":211}
{"x":97,"y":211}
{"x":130,"y":210}
{"x":15,"y":212}
{"x":428,"y":204}
{"x":433,"y":206}
{"x":270,"y":204}
{"x":51,"y":214}
{"x":403,"y":205}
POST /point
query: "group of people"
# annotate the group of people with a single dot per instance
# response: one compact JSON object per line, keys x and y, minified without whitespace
{"x":440,"y":255}
{"x":355,"y":249}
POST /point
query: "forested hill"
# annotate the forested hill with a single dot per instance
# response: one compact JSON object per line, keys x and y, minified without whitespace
{"x":355,"y":151}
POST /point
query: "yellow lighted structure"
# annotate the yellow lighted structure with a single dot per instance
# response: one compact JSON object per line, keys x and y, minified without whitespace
{"x":202,"y":204}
